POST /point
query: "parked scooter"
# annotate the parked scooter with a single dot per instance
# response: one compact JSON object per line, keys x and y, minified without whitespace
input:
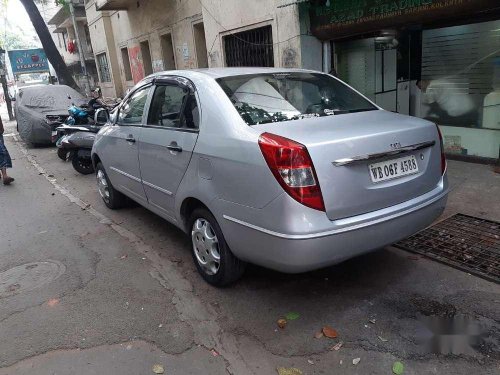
{"x":66,"y":130}
{"x":85,"y":115}
{"x":78,"y":116}
{"x":76,"y":147}
{"x":76,"y":142}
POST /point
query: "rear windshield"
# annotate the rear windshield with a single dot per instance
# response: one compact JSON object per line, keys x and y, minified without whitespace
{"x":264,"y":98}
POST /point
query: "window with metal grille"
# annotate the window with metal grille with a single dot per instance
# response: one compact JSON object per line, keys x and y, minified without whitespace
{"x":250,"y":48}
{"x":102,"y":64}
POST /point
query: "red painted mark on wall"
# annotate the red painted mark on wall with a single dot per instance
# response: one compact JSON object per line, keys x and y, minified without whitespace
{"x":136,"y":65}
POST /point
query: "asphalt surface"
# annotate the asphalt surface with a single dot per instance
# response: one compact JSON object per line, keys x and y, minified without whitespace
{"x":88,"y":290}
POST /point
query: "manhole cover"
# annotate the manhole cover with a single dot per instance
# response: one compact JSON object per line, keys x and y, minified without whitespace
{"x":29,"y":276}
{"x":465,"y":242}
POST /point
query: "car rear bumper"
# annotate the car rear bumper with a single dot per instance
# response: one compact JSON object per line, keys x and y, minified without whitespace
{"x":294,"y":253}
{"x":41,"y":133}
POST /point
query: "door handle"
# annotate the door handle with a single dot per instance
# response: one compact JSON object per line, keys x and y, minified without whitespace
{"x":174,"y":147}
{"x":130,"y":138}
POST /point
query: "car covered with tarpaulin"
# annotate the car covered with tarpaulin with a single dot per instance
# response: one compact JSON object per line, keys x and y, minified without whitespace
{"x":41,"y":109}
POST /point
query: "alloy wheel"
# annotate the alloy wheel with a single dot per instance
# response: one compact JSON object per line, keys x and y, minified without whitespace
{"x":102,"y":184}
{"x":206,"y":246}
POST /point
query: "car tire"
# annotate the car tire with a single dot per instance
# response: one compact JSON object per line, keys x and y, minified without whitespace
{"x":112,"y":198}
{"x":230,"y":268}
{"x":82,"y":166}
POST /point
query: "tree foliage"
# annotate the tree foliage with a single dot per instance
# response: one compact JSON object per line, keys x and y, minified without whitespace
{"x":48,"y":44}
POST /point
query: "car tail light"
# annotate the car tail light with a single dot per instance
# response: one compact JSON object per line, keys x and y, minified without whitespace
{"x":292,"y":167}
{"x":443,"y":158}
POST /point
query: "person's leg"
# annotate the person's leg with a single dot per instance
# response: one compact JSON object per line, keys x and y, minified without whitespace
{"x":5,"y":162}
{"x":7,"y":180}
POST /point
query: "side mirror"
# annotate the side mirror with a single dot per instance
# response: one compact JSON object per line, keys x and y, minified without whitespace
{"x":101,"y":116}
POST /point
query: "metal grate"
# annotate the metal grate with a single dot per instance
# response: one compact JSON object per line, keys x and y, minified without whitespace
{"x":102,"y":64}
{"x":465,"y":242}
{"x":250,"y":48}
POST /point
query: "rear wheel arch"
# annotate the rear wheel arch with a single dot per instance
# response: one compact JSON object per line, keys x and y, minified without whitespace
{"x":188,"y":206}
{"x":95,"y":160}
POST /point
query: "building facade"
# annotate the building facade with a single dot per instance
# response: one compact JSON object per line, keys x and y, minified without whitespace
{"x":435,"y":59}
{"x":132,"y":39}
{"x":62,"y":25}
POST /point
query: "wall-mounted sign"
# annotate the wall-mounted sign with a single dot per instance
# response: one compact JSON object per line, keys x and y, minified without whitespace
{"x":335,"y":19}
{"x":185,"y":51}
{"x":28,"y":61}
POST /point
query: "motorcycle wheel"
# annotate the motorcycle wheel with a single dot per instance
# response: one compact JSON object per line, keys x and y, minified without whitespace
{"x":62,"y":153}
{"x":83,"y":166}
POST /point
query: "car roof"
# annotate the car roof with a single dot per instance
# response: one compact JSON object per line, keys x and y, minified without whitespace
{"x":227,"y":72}
{"x":43,"y":87}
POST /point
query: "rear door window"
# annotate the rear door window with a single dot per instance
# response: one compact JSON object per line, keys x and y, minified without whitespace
{"x":173,"y":106}
{"x":277,"y":97}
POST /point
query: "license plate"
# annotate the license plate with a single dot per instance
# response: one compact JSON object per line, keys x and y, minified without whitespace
{"x":387,"y":170}
{"x":54,"y":136}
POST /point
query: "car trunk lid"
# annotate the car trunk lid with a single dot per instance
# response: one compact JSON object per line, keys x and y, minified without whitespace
{"x":344,"y":149}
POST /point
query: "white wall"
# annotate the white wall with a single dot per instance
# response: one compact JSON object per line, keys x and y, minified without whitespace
{"x":478,"y":142}
{"x":222,"y":17}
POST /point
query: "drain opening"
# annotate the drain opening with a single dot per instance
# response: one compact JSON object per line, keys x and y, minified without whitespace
{"x":464,"y":242}
{"x":29,"y":276}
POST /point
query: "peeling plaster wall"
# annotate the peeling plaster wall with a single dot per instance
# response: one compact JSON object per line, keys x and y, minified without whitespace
{"x":148,"y":20}
{"x":222,"y":17}
{"x":102,"y":38}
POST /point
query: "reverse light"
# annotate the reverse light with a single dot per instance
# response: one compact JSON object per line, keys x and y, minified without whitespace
{"x":291,"y":165}
{"x":443,"y":158}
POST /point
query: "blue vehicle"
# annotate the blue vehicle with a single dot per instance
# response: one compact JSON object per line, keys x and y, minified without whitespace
{"x":78,"y":116}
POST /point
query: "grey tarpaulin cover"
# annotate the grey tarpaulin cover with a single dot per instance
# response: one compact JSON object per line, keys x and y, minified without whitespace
{"x":34,"y":103}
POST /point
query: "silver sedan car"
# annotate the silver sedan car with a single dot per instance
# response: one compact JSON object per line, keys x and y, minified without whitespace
{"x":285,"y":168}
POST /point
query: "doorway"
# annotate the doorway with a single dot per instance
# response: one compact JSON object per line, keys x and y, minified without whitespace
{"x":382,"y":69}
{"x":200,"y":45}
{"x":167,"y":51}
{"x":386,"y":93}
{"x":146,"y":58}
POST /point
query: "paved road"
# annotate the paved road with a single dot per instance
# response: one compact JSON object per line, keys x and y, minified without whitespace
{"x":116,"y":292}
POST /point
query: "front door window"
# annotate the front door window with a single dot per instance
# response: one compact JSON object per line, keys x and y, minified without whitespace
{"x":133,"y":109}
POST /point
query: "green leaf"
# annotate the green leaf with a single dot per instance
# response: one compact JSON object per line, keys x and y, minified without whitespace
{"x":398,"y":368}
{"x":292,"y":316}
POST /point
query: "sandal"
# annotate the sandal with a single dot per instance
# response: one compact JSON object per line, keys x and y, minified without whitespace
{"x":8,"y":180}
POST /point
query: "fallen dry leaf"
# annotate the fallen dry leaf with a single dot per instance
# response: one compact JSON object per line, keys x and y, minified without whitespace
{"x":124,"y":256}
{"x":158,"y":369}
{"x":337,"y":346}
{"x":329,"y":332}
{"x":318,"y":335}
{"x":355,"y":361}
{"x":282,"y":323}
{"x":214,"y":353}
{"x":310,"y":361}
{"x":52,"y":302}
{"x":289,"y":371}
